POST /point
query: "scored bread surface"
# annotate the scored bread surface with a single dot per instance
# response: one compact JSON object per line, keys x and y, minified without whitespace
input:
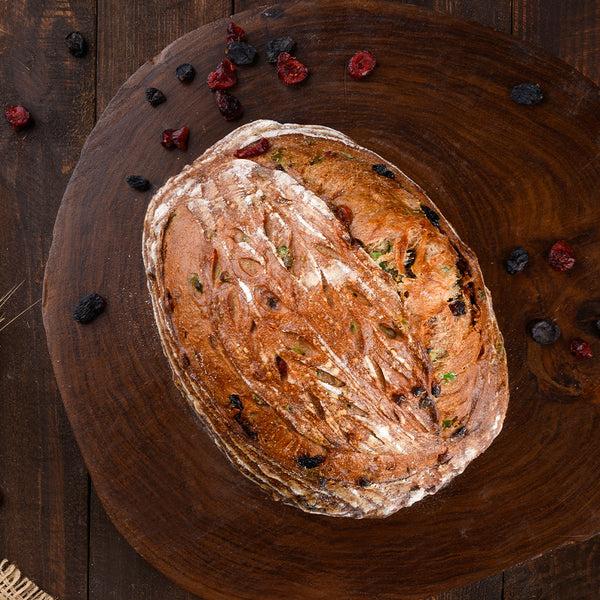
{"x":325,"y":321}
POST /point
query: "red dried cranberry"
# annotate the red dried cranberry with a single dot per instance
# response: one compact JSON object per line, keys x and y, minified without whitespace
{"x":175,"y":138}
{"x":344,"y":214}
{"x":229,"y":105}
{"x":223,"y":76}
{"x":361,"y":64}
{"x":581,"y":349}
{"x":254,"y":149}
{"x":561,"y":256}
{"x":281,"y":367}
{"x":235,"y":33}
{"x":17,"y":116}
{"x":290,"y":70}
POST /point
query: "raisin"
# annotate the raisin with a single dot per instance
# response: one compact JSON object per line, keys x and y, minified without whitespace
{"x":310,"y":462}
{"x":175,"y":138}
{"x":223,"y":76}
{"x":431,"y":215}
{"x":255,"y":149}
{"x":436,"y":389}
{"x":235,"y":33}
{"x":241,"y":53}
{"x":276,"y":47}
{"x":229,"y":105}
{"x":154,"y":96}
{"x":137,"y":182}
{"x":344,"y":214}
{"x":458,"y":308}
{"x":460,"y":432}
{"x":398,"y":399}
{"x":544,"y":331}
{"x":290,"y":70}
{"x":281,"y":367}
{"x":17,"y":116}
{"x":76,"y":44}
{"x":561,"y":256}
{"x":581,"y":349}
{"x":517,"y":261}
{"x":425,"y":402}
{"x":185,"y":72}
{"x":88,"y":308}
{"x":527,"y":93}
{"x":417,"y":391}
{"x":246,"y":426}
{"x":235,"y":401}
{"x":361,"y":64}
{"x":382,"y":169}
{"x":364,"y":482}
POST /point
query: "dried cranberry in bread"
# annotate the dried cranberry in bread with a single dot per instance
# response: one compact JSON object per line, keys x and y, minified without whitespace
{"x":329,"y":327}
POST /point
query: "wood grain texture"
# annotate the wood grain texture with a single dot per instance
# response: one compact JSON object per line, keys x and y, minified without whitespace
{"x":43,"y":518}
{"x":216,"y":508}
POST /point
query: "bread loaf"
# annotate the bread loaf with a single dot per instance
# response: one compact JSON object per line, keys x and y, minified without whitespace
{"x":331,"y":330}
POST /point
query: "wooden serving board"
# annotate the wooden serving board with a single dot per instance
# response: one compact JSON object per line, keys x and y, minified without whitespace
{"x":438,"y":106}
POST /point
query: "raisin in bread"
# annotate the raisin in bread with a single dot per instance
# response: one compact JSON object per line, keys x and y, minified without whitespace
{"x":325,"y":321}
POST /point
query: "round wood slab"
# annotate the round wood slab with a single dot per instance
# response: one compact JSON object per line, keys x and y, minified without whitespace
{"x":438,"y":106}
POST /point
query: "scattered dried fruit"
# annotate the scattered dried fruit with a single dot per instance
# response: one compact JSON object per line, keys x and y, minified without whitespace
{"x":185,"y":72}
{"x":76,"y":44}
{"x":527,"y":93}
{"x":254,"y":149}
{"x":175,"y":138}
{"x":17,"y":116}
{"x":276,"y":47}
{"x":137,"y":182}
{"x":154,"y":96}
{"x":241,"y":53}
{"x":229,"y":105}
{"x":431,"y":215}
{"x":382,"y":170}
{"x":561,"y":256}
{"x":581,"y":349}
{"x":517,"y":261}
{"x":88,"y":308}
{"x":361,"y":64}
{"x":544,"y":331}
{"x":290,"y":70}
{"x":310,"y":462}
{"x":223,"y":76}
{"x":235,"y":33}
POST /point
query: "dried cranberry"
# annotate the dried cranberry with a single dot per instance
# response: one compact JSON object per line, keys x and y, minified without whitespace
{"x":255,"y":149}
{"x":154,"y":96}
{"x":290,"y":70}
{"x":561,"y":256}
{"x":276,"y":47}
{"x":235,"y":33}
{"x":361,"y":64}
{"x":17,"y":116}
{"x":137,"y":182}
{"x":527,"y":93}
{"x":175,"y":138}
{"x":517,"y":261}
{"x":223,"y":76}
{"x":185,"y":72}
{"x":229,"y":105}
{"x":581,"y":349}
{"x":344,"y":214}
{"x":76,"y":44}
{"x":88,"y":308}
{"x":544,"y":331}
{"x":281,"y":367}
{"x":241,"y":53}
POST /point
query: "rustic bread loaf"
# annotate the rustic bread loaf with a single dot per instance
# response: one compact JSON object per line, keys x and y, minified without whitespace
{"x":325,"y":321}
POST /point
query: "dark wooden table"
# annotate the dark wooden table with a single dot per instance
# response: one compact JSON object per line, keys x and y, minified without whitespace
{"x":51,"y":522}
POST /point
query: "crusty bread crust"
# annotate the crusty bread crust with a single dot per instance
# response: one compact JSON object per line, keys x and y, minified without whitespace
{"x":325,"y":321}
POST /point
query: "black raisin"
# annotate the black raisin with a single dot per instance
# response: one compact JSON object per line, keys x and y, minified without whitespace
{"x":241,"y":53}
{"x":272,"y":302}
{"x":425,"y":402}
{"x":458,"y":308}
{"x":382,"y":170}
{"x":310,"y":462}
{"x":137,"y":182}
{"x":436,"y":389}
{"x":185,"y":72}
{"x":154,"y":96}
{"x":433,"y":217}
{"x":364,"y":482}
{"x":398,"y":399}
{"x":417,"y":391}
{"x":517,"y":261}
{"x":76,"y":44}
{"x":460,"y":432}
{"x":544,"y":331}
{"x":236,"y":402}
{"x":276,"y":47}
{"x":527,"y":93}
{"x":246,"y":426}
{"x":88,"y":308}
